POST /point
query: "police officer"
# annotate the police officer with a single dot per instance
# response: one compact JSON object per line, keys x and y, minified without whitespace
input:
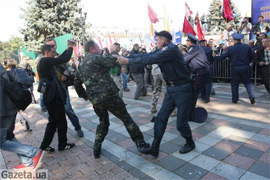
{"x":240,"y":57}
{"x":101,"y":90}
{"x":176,"y":75}
{"x":200,"y":70}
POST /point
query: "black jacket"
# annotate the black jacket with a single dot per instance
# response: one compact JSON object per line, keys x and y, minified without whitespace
{"x":46,"y":71}
{"x":136,"y":68}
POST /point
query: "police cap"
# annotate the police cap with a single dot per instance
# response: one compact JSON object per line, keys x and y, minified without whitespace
{"x":165,"y":34}
{"x":192,"y":38}
{"x":237,"y":36}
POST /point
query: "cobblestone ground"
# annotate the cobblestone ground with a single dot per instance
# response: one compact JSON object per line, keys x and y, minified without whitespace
{"x":233,"y":143}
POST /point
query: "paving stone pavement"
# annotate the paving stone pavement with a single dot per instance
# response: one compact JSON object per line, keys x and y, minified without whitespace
{"x":233,"y":143}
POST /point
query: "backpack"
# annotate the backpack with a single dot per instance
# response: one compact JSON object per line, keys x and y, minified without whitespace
{"x":20,"y":76}
{"x":17,"y":92}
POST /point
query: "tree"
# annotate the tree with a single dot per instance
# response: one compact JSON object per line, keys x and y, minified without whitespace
{"x":9,"y":47}
{"x":216,"y":21}
{"x":50,"y":18}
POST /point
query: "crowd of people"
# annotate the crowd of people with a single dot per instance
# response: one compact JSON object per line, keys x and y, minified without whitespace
{"x":185,"y":70}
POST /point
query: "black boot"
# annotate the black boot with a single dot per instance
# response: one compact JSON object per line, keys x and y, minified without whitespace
{"x":189,"y":146}
{"x":142,"y":145}
{"x":154,"y":149}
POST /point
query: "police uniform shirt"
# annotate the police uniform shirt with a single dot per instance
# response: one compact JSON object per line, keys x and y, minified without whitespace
{"x":169,"y":59}
{"x":196,"y":58}
{"x":239,"y":54}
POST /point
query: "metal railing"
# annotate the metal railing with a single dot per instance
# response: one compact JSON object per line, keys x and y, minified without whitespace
{"x":222,"y":71}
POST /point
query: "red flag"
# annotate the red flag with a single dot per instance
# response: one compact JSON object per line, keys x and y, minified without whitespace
{"x":187,"y":28}
{"x":188,"y":11}
{"x":152,"y":15}
{"x":110,"y":39}
{"x":227,"y":11}
{"x":199,"y":29}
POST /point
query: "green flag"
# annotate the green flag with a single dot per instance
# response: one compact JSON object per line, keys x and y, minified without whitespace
{"x":61,"y":42}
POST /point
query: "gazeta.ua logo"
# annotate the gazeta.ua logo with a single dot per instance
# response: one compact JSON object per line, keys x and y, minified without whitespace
{"x":26,"y":174}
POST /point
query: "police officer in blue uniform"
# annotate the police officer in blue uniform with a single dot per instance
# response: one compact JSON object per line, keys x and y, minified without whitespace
{"x":176,"y":75}
{"x":199,"y":68}
{"x":240,"y":57}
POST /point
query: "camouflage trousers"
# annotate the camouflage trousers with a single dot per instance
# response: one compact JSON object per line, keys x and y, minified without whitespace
{"x":118,"y":80}
{"x":117,"y":107}
{"x":158,"y":80}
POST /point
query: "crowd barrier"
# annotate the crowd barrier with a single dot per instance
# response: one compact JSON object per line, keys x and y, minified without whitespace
{"x":222,"y":71}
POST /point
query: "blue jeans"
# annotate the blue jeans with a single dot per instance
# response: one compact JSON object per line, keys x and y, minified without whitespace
{"x":24,"y":152}
{"x":180,"y":97}
{"x":125,"y":80}
{"x":42,"y":105}
{"x":70,"y":113}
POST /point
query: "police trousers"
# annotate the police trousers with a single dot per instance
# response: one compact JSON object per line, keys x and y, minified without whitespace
{"x":176,"y":96}
{"x":241,"y":73}
{"x":117,"y":107}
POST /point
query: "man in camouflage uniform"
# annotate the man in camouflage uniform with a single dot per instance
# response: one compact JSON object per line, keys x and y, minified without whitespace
{"x":93,"y":71}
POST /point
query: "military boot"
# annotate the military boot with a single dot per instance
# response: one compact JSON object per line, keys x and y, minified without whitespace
{"x":142,"y":145}
{"x":153,"y":109}
{"x":189,"y":146}
{"x":154,"y":149}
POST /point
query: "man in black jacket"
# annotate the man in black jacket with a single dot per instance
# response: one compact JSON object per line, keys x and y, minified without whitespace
{"x":137,"y":72}
{"x":262,"y":59}
{"x":54,"y":97}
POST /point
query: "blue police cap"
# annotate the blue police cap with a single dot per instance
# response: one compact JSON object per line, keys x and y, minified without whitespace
{"x":192,"y":38}
{"x":237,"y":36}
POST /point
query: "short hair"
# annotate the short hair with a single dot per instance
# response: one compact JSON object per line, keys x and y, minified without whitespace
{"x":50,"y":39}
{"x":12,"y":63}
{"x":45,"y":48}
{"x":116,"y":44}
{"x":136,"y":45}
{"x":261,"y":16}
{"x":88,"y":45}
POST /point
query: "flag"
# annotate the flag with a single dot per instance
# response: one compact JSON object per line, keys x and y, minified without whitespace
{"x":166,"y":20}
{"x":61,"y":42}
{"x":110,"y":39}
{"x":140,"y":39}
{"x":178,"y":37}
{"x":187,"y":28}
{"x":152,"y":15}
{"x":100,"y":42}
{"x":188,"y":11}
{"x":149,"y":43}
{"x":227,"y":11}
{"x":199,"y":29}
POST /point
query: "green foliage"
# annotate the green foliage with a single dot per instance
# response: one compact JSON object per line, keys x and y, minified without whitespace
{"x":215,"y":18}
{"x":49,"y":19}
{"x":9,"y":47}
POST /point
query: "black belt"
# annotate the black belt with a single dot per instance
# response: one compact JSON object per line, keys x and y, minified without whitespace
{"x":177,"y":83}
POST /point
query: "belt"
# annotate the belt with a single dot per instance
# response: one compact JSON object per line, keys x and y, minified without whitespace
{"x":177,"y":83}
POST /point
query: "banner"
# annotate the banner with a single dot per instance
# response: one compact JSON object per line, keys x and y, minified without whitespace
{"x":260,"y":7}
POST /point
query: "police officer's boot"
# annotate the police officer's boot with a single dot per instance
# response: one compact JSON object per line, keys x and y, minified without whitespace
{"x":154,"y":149}
{"x":189,"y":146}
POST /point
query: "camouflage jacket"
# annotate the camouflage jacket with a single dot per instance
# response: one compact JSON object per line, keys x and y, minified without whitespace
{"x":93,"y":71}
